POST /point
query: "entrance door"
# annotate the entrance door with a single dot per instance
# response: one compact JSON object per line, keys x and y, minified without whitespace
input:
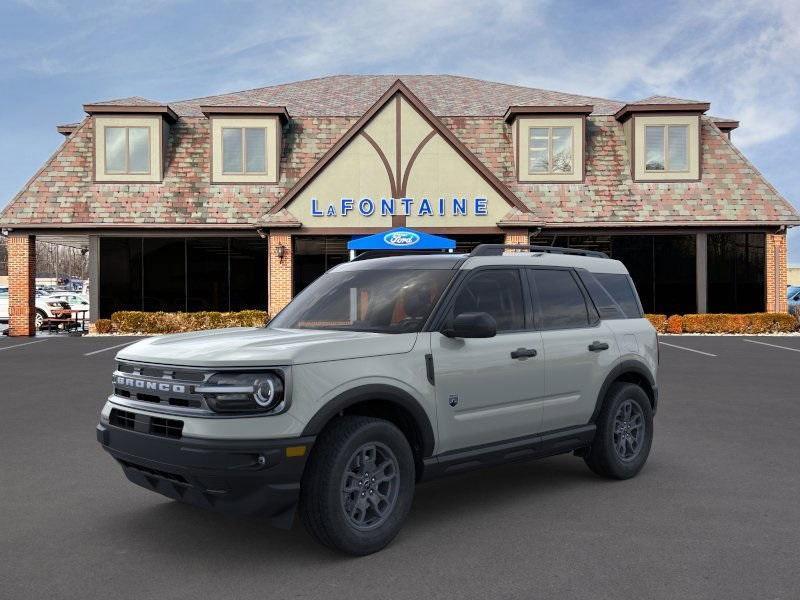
{"x":486,"y":389}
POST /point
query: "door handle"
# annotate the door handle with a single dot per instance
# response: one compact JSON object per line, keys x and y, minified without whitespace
{"x":596,"y":346}
{"x":523,"y":353}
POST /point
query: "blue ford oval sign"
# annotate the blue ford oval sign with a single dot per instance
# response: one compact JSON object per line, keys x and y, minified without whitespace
{"x":401,"y":239}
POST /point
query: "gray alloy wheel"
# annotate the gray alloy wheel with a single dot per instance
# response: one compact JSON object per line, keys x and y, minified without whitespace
{"x":369,"y":486}
{"x":629,"y":430}
{"x":39,"y":319}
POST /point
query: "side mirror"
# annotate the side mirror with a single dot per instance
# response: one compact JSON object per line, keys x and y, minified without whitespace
{"x":472,"y":325}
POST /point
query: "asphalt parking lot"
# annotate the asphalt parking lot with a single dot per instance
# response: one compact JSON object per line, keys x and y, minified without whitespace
{"x":715,"y":513}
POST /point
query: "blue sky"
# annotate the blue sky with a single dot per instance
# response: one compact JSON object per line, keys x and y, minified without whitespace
{"x":56,"y":55}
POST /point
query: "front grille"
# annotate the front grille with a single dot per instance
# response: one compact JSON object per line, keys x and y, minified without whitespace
{"x":122,"y":418}
{"x":166,"y":386}
{"x":170,"y":428}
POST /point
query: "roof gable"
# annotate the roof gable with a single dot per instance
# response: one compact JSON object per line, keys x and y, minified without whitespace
{"x":398,"y":170}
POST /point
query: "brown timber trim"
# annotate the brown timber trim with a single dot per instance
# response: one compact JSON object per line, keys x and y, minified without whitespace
{"x":67,"y":130}
{"x":131,"y":109}
{"x":516,"y":149}
{"x":277,"y":111}
{"x":398,"y":147}
{"x":725,"y":125}
{"x":345,"y":231}
{"x":384,"y":160}
{"x":412,"y":158}
{"x":399,"y":87}
{"x":398,"y":220}
{"x":515,"y":111}
{"x":630,"y":109}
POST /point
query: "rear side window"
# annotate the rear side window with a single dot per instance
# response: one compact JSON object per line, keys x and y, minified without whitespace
{"x":606,"y":305}
{"x":560,"y":300}
{"x":497,"y":292}
{"x":620,"y":288}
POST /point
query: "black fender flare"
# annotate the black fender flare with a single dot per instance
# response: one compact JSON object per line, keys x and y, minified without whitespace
{"x":376,"y":391}
{"x":626,"y":366}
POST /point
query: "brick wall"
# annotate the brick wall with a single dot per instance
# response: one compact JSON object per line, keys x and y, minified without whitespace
{"x":776,"y":273}
{"x":21,"y":284}
{"x":280,"y":271}
{"x":517,"y":236}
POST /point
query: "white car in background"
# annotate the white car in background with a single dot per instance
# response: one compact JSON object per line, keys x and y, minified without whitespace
{"x":47,"y":307}
{"x":75,"y":300}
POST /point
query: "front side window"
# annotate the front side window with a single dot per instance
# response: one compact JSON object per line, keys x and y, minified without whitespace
{"x":127,"y":150}
{"x":380,"y":301}
{"x":244,"y":150}
{"x":666,"y":147}
{"x":561,"y":302}
{"x":497,"y":292}
{"x":550,"y":150}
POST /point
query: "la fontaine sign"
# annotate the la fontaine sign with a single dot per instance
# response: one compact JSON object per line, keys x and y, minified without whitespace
{"x":389,"y":207}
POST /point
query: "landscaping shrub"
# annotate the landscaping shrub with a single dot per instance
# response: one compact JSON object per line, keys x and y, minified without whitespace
{"x":103,"y":326}
{"x":131,"y":321}
{"x":747,"y":323}
{"x":675,"y":324}
{"x":659,"y":322}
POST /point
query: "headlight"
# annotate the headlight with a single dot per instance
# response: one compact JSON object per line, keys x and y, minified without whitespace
{"x":243,"y":392}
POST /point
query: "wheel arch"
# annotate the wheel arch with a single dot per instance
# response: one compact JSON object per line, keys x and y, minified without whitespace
{"x":629,"y":371}
{"x":384,"y":401}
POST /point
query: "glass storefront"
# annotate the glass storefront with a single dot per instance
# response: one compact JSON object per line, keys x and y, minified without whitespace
{"x":736,"y":272}
{"x":664,"y":268}
{"x":182,"y":274}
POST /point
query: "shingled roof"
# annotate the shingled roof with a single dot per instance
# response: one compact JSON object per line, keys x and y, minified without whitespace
{"x":731,"y":191}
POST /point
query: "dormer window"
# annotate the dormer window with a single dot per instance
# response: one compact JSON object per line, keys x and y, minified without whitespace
{"x":245,"y":143}
{"x":244,"y":150}
{"x":666,"y":148}
{"x":550,"y":150}
{"x":548,"y":142}
{"x":127,"y":150}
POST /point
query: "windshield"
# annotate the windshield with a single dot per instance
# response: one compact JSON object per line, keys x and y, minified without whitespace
{"x":382,"y":301}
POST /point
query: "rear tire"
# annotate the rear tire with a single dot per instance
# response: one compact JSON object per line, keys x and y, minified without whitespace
{"x":357,"y":489}
{"x":624,"y":433}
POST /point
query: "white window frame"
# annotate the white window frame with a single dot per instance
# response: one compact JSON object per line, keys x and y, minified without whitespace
{"x":127,"y":129}
{"x":665,"y":148}
{"x":550,"y":170}
{"x":244,"y":171}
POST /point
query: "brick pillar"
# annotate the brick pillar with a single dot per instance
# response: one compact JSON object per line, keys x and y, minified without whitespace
{"x":280,"y":271}
{"x":21,"y":284}
{"x":517,"y":236}
{"x":775,"y":273}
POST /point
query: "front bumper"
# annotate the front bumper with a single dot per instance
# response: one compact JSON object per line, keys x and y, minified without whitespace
{"x":246,"y":477}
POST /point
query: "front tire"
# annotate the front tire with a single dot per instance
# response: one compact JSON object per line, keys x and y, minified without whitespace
{"x":39,"y":318}
{"x":358,"y":486}
{"x":624,"y":433}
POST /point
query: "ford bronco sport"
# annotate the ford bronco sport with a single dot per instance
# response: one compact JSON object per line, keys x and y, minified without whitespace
{"x":389,"y":371}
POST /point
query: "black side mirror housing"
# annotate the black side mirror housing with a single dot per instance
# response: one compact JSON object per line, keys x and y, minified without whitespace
{"x":472,"y":325}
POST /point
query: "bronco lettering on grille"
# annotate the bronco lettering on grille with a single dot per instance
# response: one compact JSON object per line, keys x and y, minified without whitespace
{"x":156,"y":386}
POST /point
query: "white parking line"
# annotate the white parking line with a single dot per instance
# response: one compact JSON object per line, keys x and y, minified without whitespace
{"x":20,"y":345}
{"x":110,"y":348}
{"x":688,"y":349}
{"x":772,"y":345}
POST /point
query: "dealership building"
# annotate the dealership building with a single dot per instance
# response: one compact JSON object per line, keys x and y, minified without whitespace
{"x":240,"y":200}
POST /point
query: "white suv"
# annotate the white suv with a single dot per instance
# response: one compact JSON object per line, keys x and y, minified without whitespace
{"x":47,"y":307}
{"x":385,"y":372}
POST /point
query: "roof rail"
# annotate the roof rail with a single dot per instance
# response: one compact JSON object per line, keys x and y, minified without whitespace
{"x":369,"y":254}
{"x":498,"y":249}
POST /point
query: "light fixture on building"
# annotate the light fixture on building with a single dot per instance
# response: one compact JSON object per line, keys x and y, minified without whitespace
{"x":261,"y":233}
{"x":5,"y":231}
{"x":280,"y":252}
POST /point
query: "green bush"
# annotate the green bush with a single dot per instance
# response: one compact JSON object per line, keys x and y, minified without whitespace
{"x":132,"y":321}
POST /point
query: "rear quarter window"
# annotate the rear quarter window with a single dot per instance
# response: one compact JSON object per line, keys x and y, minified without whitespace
{"x":621,"y":289}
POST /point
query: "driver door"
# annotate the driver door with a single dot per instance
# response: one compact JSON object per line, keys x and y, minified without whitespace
{"x":483,"y":393}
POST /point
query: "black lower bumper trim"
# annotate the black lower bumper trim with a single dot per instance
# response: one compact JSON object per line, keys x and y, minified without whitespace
{"x":247,"y":477}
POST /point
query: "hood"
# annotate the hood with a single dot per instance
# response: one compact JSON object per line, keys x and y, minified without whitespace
{"x":239,"y":347}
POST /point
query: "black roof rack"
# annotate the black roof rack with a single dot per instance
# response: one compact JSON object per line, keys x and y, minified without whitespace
{"x":498,"y":249}
{"x":387,"y":253}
